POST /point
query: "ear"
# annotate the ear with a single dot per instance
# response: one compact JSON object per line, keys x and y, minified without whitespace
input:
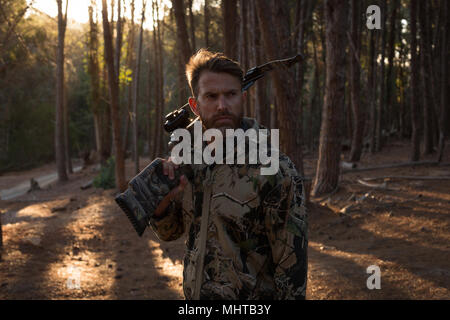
{"x":193,"y":104}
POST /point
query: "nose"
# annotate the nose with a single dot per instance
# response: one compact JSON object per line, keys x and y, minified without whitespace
{"x":222,"y":104}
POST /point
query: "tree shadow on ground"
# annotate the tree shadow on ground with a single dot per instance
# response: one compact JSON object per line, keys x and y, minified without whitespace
{"x":349,"y":235}
{"x":26,"y":279}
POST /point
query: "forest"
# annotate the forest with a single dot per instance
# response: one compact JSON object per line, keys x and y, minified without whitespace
{"x":364,"y":116}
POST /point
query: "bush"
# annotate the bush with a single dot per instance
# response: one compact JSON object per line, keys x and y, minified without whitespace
{"x":106,"y":177}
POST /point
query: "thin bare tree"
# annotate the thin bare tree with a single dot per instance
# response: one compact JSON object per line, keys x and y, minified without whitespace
{"x":60,"y":153}
{"x":136,"y":77}
{"x":355,"y":89}
{"x":191,"y":25}
{"x":414,"y":67}
{"x":444,"y":78}
{"x":206,"y":22}
{"x":113,"y":83}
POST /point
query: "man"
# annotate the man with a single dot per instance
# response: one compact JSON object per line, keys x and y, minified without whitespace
{"x":246,"y":232}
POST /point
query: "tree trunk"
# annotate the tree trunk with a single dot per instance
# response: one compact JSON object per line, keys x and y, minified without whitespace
{"x":118,"y":39}
{"x":59,"y":123}
{"x":66,"y":132}
{"x":243,"y":48}
{"x":327,"y":174}
{"x":206,"y":22}
{"x":182,"y":34}
{"x":149,"y":104}
{"x":136,"y":94}
{"x":358,"y":115}
{"x":391,"y":110}
{"x":276,"y":46}
{"x":184,"y":48}
{"x":444,"y":80}
{"x":131,"y":62}
{"x":162,"y":144}
{"x":229,"y":16}
{"x":121,"y":183}
{"x":93,"y":70}
{"x":105,"y":115}
{"x":427,"y":96}
{"x":314,"y":97}
{"x":159,"y":83}
{"x":192,"y":25}
{"x":373,"y":87}
{"x":253,"y":55}
{"x":414,"y":66}
{"x":381,"y":101}
{"x":402,"y":89}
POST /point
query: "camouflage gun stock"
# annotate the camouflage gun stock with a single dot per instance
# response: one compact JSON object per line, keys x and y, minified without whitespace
{"x":145,"y":192}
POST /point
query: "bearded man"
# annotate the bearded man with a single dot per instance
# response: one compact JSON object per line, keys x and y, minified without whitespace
{"x":246,"y":232}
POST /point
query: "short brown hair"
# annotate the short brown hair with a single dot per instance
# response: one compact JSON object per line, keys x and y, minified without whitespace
{"x":211,"y":61}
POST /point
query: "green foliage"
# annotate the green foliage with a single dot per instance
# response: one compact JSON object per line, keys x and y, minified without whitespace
{"x":106,"y":178}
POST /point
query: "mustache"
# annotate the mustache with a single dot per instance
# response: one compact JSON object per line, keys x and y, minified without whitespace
{"x":223,"y":114}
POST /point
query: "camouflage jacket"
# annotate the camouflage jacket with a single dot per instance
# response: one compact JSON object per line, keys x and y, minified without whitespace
{"x":256,"y":235}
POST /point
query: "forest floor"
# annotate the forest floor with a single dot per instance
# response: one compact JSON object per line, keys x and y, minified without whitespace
{"x":63,"y":242}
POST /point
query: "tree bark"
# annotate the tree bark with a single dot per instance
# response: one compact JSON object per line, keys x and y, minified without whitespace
{"x":314,"y":98}
{"x":121,"y":183}
{"x":414,"y":66}
{"x":159,"y":80}
{"x":118,"y":39}
{"x":93,"y":70}
{"x":425,"y":70}
{"x":192,"y":26}
{"x":444,"y":79}
{"x":106,"y":115}
{"x":157,"y":104}
{"x":182,"y":34}
{"x":358,"y":115}
{"x":243,"y":48}
{"x":162,"y":144}
{"x":60,"y":154}
{"x":66,"y":132}
{"x":149,"y":104}
{"x":136,"y":77}
{"x":184,"y":51}
{"x":229,"y":16}
{"x":391,"y":110}
{"x":381,"y":102}
{"x":276,"y":46}
{"x":206,"y":22}
{"x":327,"y":174}
{"x":131,"y":62}
{"x":373,"y":87}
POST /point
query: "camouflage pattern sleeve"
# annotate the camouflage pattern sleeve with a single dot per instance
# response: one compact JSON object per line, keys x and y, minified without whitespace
{"x":286,"y":227}
{"x":169,"y":226}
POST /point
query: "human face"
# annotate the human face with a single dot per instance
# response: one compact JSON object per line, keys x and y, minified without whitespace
{"x":220,"y":101}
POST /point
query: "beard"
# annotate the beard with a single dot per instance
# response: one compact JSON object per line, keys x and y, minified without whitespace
{"x":209,"y":123}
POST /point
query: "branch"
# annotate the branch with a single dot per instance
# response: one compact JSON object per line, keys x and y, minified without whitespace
{"x":13,"y":25}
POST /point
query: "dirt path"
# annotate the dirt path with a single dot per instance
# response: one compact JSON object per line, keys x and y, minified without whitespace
{"x":21,"y":183}
{"x":66,"y":243}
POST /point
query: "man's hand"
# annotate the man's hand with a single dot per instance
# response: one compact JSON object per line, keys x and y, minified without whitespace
{"x":169,"y":169}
